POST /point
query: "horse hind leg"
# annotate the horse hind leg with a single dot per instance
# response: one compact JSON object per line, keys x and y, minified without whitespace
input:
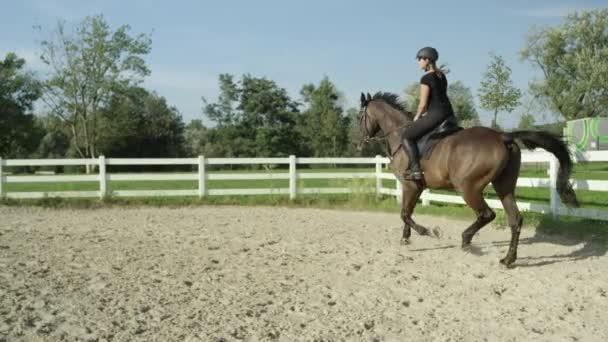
{"x":505,"y":188}
{"x":485,"y":215}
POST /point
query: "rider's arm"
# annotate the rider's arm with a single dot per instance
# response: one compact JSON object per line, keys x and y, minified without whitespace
{"x":424,"y":98}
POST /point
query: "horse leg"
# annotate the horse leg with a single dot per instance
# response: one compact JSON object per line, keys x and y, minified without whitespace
{"x":515,"y":222}
{"x":505,"y":185}
{"x":410,"y":193}
{"x":485,"y":215}
{"x":505,"y":189}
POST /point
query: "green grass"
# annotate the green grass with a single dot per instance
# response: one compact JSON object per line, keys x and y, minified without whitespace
{"x":584,"y":228}
{"x":574,"y":228}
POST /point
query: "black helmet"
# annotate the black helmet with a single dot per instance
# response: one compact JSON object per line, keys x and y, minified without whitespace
{"x":428,"y":53}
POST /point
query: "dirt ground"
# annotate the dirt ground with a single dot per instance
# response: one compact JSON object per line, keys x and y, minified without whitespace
{"x":260,"y":273}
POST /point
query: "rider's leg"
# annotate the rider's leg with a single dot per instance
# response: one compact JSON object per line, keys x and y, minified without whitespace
{"x":409,"y":145}
{"x":414,"y":132}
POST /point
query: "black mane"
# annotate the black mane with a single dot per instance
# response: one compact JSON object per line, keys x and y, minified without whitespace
{"x":391,"y":99}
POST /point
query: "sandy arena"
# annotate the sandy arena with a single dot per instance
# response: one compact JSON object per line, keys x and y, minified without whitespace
{"x":259,"y":274}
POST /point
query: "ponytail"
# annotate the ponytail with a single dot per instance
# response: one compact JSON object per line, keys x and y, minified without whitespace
{"x":439,"y":71}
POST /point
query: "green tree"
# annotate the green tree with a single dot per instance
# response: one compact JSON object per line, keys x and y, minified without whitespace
{"x":463,"y":104}
{"x":412,"y":97}
{"x":526,"y":121}
{"x":223,"y":112}
{"x":56,"y":141}
{"x":323,"y":126}
{"x":255,"y":117}
{"x":196,"y":138}
{"x":19,"y":136}
{"x":496,"y":92}
{"x":87,"y":67}
{"x":139,"y":123}
{"x":573,"y":59}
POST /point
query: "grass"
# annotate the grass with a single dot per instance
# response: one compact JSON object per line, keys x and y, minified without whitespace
{"x":574,"y":228}
{"x":598,"y":230}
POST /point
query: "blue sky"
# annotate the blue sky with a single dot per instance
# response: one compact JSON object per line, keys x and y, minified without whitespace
{"x":359,"y":45}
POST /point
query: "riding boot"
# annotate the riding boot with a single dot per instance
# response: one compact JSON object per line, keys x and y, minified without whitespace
{"x":414,"y":172}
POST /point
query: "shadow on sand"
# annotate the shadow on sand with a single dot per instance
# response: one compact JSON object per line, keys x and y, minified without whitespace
{"x":590,"y":238}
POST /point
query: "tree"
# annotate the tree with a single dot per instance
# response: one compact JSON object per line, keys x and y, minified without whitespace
{"x":255,"y":117}
{"x":87,"y":68}
{"x":56,"y":142}
{"x":463,"y":104}
{"x":323,"y":125}
{"x":412,"y":97}
{"x":196,"y":138}
{"x":139,"y":123}
{"x":526,"y":121}
{"x":573,"y":59}
{"x":19,"y":136}
{"x":461,"y":99}
{"x":496,"y":92}
{"x":223,"y":111}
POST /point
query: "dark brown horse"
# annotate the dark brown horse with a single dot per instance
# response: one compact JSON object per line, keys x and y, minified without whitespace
{"x":466,"y":161}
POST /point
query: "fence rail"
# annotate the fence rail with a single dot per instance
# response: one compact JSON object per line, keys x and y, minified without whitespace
{"x":292,"y":175}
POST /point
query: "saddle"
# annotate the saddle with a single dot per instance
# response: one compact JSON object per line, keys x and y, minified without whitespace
{"x":425,"y":144}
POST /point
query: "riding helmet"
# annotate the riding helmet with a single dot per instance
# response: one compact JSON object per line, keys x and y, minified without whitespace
{"x":428,"y":53}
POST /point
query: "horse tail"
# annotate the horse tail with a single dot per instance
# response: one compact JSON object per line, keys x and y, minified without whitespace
{"x":554,"y":144}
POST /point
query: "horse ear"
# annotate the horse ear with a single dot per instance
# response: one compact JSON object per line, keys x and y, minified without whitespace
{"x":363,"y":100}
{"x":369,"y":97}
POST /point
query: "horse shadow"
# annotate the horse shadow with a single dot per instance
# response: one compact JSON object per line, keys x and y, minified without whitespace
{"x":590,"y":240}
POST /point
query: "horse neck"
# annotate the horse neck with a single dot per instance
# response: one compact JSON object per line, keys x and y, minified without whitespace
{"x":391,"y":122}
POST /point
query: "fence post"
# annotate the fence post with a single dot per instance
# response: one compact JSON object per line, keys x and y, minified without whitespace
{"x":378,"y":174}
{"x":424,"y":196}
{"x":202,"y":177}
{"x":1,"y":179}
{"x":292,"y":177}
{"x":553,"y":168}
{"x":399,"y":188}
{"x":103,"y":180}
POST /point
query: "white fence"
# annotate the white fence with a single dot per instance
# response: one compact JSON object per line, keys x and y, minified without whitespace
{"x":202,"y":177}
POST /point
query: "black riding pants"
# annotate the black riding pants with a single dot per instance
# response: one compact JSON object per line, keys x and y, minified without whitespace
{"x":423,"y":125}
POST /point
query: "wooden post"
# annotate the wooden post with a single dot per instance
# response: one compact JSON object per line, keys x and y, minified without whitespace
{"x":424,"y":196}
{"x":103,"y":180}
{"x":378,"y":174}
{"x":399,"y":188}
{"x":553,"y":168}
{"x":202,"y":177}
{"x":292,"y":177}
{"x":1,"y":179}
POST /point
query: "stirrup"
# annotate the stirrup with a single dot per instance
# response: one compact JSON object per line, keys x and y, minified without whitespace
{"x":413,"y":175}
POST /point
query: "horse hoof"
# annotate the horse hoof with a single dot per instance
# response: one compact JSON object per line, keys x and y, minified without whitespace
{"x":507,"y":263}
{"x":405,"y":241}
{"x":437,"y":233}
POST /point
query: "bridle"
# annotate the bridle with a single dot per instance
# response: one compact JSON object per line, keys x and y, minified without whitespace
{"x":368,"y":138}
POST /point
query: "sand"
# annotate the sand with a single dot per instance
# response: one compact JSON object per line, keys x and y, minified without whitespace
{"x":261,"y":274}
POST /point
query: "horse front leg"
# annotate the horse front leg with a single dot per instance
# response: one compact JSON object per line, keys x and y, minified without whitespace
{"x":410,"y":194}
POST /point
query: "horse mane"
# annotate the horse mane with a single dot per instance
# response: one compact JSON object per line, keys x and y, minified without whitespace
{"x":391,"y":99}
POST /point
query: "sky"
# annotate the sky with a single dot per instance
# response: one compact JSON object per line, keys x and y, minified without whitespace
{"x":360,"y":45}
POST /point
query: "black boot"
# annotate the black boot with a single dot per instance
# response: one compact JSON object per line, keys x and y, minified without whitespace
{"x":414,"y":172}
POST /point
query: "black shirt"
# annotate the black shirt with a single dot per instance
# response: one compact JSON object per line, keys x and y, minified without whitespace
{"x":438,"y":97}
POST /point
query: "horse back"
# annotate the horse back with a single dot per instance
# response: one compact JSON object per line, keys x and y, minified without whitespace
{"x":477,"y":152}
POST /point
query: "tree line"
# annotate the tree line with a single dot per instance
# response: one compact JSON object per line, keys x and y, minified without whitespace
{"x":94,"y":102}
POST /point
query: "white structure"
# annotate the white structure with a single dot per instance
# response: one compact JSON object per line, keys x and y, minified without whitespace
{"x":554,"y":207}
